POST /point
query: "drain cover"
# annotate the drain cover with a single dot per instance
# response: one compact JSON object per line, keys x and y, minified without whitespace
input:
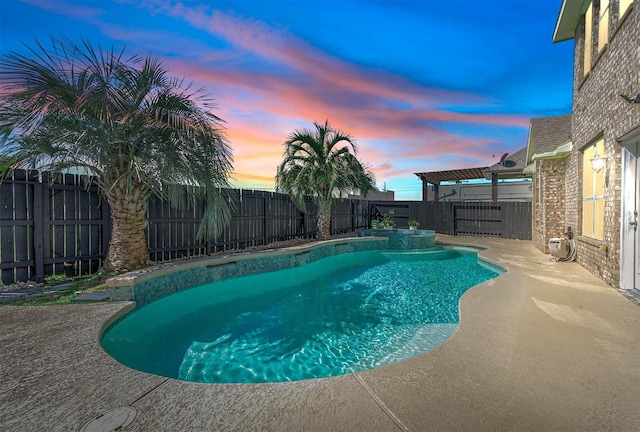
{"x":111,"y":420}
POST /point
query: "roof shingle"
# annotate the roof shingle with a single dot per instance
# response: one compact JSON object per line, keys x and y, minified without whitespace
{"x":547,"y":133}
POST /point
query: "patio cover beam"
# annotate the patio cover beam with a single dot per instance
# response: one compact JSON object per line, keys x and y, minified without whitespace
{"x":437,"y":177}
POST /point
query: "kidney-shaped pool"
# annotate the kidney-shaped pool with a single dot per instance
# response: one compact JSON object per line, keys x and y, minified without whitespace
{"x":337,"y":315}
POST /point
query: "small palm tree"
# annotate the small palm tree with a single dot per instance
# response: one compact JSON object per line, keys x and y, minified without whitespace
{"x":125,"y":122}
{"x":320,"y":164}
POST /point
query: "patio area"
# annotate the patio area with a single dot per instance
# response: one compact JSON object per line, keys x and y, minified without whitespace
{"x":546,"y":346}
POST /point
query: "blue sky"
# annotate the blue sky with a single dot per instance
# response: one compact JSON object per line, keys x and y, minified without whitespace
{"x":422,"y":85}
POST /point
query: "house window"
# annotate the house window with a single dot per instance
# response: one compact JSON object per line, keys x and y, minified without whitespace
{"x":624,"y":5}
{"x":593,"y":192}
{"x":598,"y":12}
{"x":588,"y":21}
{"x":603,"y":26}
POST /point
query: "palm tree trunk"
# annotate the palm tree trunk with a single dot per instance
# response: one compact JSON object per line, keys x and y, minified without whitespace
{"x":324,"y":221}
{"x":128,"y":246}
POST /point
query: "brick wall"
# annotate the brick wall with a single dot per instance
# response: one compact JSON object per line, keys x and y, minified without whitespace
{"x":549,"y":202}
{"x":598,"y":110}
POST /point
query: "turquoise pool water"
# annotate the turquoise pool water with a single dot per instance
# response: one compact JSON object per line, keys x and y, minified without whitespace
{"x":337,"y":315}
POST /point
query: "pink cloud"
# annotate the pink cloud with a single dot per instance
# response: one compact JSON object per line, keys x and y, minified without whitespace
{"x":414,"y":139}
{"x":270,"y":82}
{"x":64,"y":8}
{"x":268,"y":99}
{"x":277,"y":47}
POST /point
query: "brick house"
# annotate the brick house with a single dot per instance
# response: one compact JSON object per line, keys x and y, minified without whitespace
{"x":594,"y":187}
{"x":548,"y":150}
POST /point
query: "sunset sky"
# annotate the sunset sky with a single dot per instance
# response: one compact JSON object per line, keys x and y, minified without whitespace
{"x":422,"y":85}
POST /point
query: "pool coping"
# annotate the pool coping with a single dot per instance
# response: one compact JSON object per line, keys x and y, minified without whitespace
{"x":137,"y":276}
{"x":149,"y":284}
{"x":128,"y":286}
{"x":545,"y":346}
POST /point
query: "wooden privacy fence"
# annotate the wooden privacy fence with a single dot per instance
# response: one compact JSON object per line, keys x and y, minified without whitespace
{"x":258,"y":218}
{"x":46,"y":226}
{"x":59,"y":225}
{"x":53,"y":226}
{"x":508,"y":219}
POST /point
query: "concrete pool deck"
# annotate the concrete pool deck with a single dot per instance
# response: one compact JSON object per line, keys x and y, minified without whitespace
{"x":547,"y":346}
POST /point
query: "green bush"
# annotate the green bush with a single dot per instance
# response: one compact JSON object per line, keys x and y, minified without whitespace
{"x":55,"y":279}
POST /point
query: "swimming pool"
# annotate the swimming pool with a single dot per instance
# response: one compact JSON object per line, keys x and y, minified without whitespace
{"x":341,"y":314}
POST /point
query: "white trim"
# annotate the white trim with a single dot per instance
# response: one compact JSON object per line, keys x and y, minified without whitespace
{"x":529,"y":169}
{"x":630,"y":237}
{"x":630,"y":139}
{"x":559,"y":152}
{"x":570,"y":13}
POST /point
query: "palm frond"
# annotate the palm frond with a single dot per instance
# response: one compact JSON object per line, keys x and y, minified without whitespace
{"x":122,"y":119}
{"x":319,"y":163}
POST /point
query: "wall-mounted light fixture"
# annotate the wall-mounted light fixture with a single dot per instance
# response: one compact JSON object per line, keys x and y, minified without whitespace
{"x":631,"y":99}
{"x":598,"y":162}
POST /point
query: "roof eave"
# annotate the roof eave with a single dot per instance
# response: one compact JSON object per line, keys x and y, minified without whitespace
{"x":570,"y":13}
{"x":506,"y":173}
{"x":559,"y":152}
{"x":529,"y":170}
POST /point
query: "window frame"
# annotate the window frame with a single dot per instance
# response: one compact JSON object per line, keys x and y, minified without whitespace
{"x":593,"y":191}
{"x":588,"y":38}
{"x":604,"y":16}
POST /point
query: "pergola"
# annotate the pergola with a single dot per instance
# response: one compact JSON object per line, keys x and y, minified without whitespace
{"x":437,"y":177}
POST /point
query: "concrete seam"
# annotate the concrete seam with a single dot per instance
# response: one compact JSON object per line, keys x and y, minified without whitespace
{"x":381,"y":404}
{"x":149,"y":391}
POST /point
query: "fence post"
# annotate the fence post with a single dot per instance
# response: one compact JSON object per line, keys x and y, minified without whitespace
{"x":353,"y":215}
{"x":450,"y":210}
{"x":46,"y":182}
{"x":304,"y":223}
{"x":494,"y":188}
{"x":211,"y":242}
{"x":38,"y":232}
{"x":264,"y":219}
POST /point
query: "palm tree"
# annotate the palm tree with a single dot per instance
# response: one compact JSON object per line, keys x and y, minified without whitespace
{"x":320,"y":164}
{"x":126,"y":123}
